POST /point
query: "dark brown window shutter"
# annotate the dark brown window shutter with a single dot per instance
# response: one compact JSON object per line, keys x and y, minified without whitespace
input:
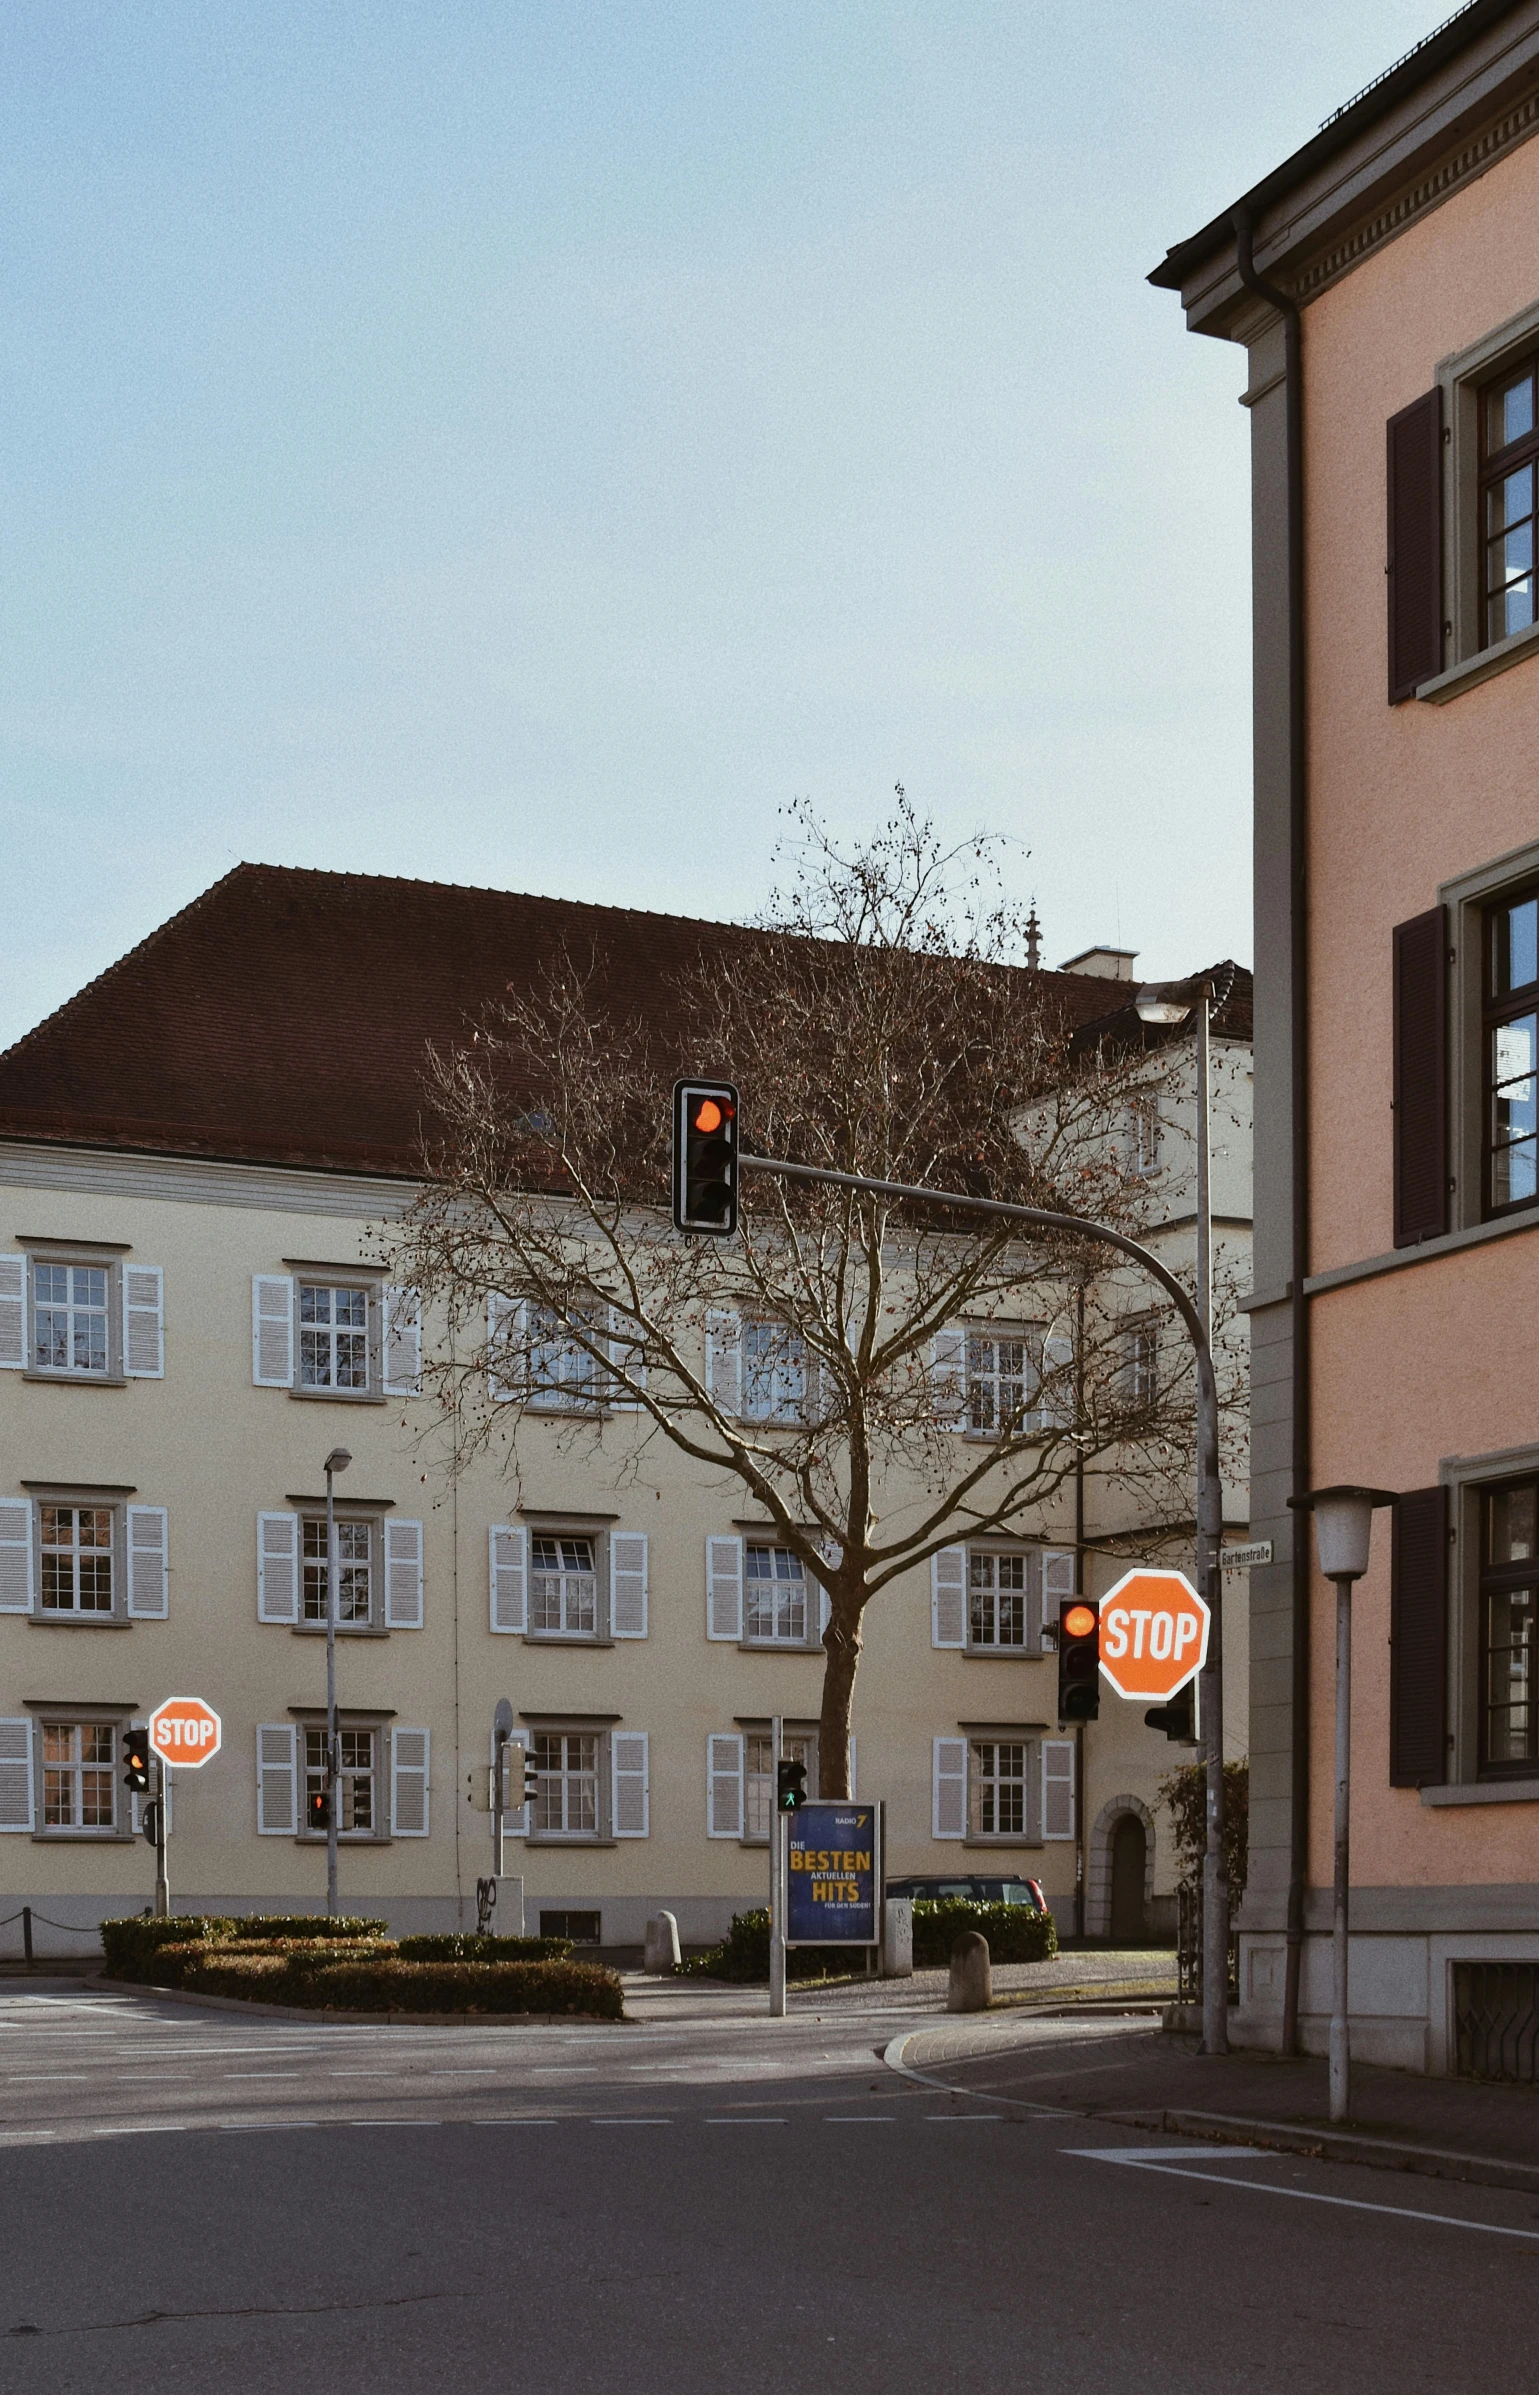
{"x":1418,"y":1641}
{"x":1421,"y":1077}
{"x":1415,"y":545}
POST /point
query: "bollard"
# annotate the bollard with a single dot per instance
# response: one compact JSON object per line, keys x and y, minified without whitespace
{"x":661,"y":1952}
{"x":898,"y":1938}
{"x":971,"y":1988}
{"x":26,"y":1933}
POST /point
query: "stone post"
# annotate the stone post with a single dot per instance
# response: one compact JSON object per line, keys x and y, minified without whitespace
{"x":972,"y":1987}
{"x":662,"y":1945}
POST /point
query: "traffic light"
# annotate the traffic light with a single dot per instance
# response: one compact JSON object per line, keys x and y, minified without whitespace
{"x":136,"y":1754}
{"x":318,"y":1809}
{"x":790,"y":1787}
{"x":1079,"y":1660}
{"x":149,"y":1827}
{"x":520,"y":1776}
{"x":705,"y":1157}
{"x":1178,"y":1719}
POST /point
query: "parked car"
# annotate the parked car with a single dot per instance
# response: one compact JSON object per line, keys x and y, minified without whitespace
{"x":972,"y":1891}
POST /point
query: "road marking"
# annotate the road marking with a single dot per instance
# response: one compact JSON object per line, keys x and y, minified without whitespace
{"x":40,"y":2078}
{"x":627,"y":2120}
{"x":513,"y":2120}
{"x":1132,"y":2159}
{"x":261,"y":2074}
{"x":851,"y":2120}
{"x":964,"y":2116}
{"x":738,"y":2120}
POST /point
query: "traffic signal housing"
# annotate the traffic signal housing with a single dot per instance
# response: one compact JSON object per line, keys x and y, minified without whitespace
{"x":520,"y":1776}
{"x":790,"y":1787}
{"x":318,"y":1809}
{"x":1079,"y":1660}
{"x":1178,"y":1719}
{"x":705,"y":1157}
{"x":136,"y":1755}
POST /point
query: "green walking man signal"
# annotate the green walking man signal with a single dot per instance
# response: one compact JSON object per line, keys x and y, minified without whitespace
{"x":790,"y":1787}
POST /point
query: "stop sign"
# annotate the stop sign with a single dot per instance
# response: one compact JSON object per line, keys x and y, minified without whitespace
{"x":185,"y":1731}
{"x":1154,"y":1634}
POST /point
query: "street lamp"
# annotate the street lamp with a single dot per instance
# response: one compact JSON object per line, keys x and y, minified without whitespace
{"x":337,"y":1461}
{"x":1158,"y":1006}
{"x":1343,"y":1530}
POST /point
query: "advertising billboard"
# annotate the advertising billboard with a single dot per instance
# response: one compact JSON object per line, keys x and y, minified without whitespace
{"x":833,"y":1875}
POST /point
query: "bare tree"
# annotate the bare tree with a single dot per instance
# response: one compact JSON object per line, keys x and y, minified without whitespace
{"x":881,"y":1380}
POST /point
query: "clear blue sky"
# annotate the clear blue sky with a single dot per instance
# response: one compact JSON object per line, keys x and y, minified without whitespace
{"x":526,"y":442}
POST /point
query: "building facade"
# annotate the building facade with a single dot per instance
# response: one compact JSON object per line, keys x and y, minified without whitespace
{"x":1385,"y":286}
{"x":203,"y":1154}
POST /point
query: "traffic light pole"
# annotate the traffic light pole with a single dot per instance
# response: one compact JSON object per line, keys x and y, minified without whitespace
{"x":777,"y":1951}
{"x":162,"y":1877}
{"x":333,"y":1734}
{"x":1210,"y":1521}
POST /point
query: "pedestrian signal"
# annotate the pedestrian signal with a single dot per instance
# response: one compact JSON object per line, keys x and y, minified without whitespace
{"x":790,"y":1787}
{"x":1178,"y":1719}
{"x":319,"y":1810}
{"x":705,"y":1154}
{"x":1079,"y":1660}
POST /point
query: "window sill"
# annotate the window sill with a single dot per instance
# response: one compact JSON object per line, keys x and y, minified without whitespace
{"x":344,"y":1630}
{"x":340,"y":1396}
{"x":1484,"y":1792}
{"x":565,"y":1638}
{"x":1021,"y":1654}
{"x":1425,"y":1251}
{"x":82,"y":1838}
{"x":776,"y":1646}
{"x":77,"y":1380}
{"x":85,"y":1621}
{"x":353,"y":1838}
{"x":565,"y":1838}
{"x":1480,"y":667}
{"x":998,"y":1845}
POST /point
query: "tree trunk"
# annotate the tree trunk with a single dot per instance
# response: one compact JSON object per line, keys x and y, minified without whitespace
{"x":841,"y":1644}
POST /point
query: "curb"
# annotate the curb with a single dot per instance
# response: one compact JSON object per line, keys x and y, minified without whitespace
{"x":1337,"y":2145}
{"x":975,"y":2045}
{"x":382,"y":2019}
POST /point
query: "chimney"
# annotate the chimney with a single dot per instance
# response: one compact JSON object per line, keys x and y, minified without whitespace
{"x":1102,"y":964}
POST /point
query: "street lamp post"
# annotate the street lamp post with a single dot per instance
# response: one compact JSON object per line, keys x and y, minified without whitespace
{"x":1343,"y":1530}
{"x":337,"y":1461}
{"x":1154,"y":1006}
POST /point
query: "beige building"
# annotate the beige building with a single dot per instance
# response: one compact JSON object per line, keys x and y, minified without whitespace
{"x":201,"y":1154}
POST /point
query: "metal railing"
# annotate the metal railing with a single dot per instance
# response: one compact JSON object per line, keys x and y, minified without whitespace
{"x":1189,"y":1948}
{"x":1496,"y":2021}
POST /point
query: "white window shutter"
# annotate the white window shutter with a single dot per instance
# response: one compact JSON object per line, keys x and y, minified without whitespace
{"x":272,"y":1330}
{"x":1058,"y":1577}
{"x":948,"y":1377}
{"x":277,"y":1803}
{"x":509,"y":1575}
{"x":949,"y":1789}
{"x":403,"y":1574}
{"x":628,"y":1754}
{"x":277,"y":1567}
{"x":1058,"y":1367}
{"x":15,"y":1775}
{"x":13,"y":1313}
{"x":147,"y":1561}
{"x":724,"y":1588}
{"x":724,"y":1362}
{"x":409,"y":1753}
{"x":15,"y":1555}
{"x":724,"y":1784}
{"x":144,"y":1334}
{"x":948,"y":1597}
{"x":1057,"y":1788}
{"x":504,"y":1324}
{"x":628,"y":1584}
{"x":626,"y":1358}
{"x":403,"y":1342}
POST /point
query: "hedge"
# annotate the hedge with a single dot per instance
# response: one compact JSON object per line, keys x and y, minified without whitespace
{"x":130,"y":1942}
{"x":468,"y":1947}
{"x":1017,"y":1933}
{"x":744,"y":1954}
{"x":359,"y":1983}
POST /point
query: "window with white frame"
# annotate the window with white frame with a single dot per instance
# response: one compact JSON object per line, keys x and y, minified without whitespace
{"x":567,"y":1764}
{"x":1141,"y":1361}
{"x":563,"y":1586}
{"x":563,"y":1375}
{"x":75,"y":1555}
{"x":996,"y":1598}
{"x":355,"y":1572}
{"x":358,"y":1814}
{"x":1002,"y":1377}
{"x":774,"y":1596}
{"x":759,"y":1777}
{"x":997,"y":1788}
{"x":774,"y":1373}
{"x":71,"y":1318}
{"x":79,"y":1775}
{"x":334,"y":1338}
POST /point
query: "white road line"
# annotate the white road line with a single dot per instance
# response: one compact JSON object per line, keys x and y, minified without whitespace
{"x":737,"y":2120}
{"x":627,"y":2120}
{"x":1302,"y":2195}
{"x":514,"y":2120}
{"x":852,"y":2120}
{"x":964,"y":2116}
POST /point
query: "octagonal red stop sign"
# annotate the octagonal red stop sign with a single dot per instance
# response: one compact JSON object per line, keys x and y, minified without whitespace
{"x":185,"y":1732}
{"x":1154,"y":1634}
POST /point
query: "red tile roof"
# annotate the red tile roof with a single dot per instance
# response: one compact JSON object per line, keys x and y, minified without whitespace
{"x":282,"y":1017}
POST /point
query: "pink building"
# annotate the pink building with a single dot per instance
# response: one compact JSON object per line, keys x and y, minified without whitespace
{"x":1384,"y":282}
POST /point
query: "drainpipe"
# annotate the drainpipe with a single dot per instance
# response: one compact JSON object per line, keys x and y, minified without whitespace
{"x":1293,"y":385}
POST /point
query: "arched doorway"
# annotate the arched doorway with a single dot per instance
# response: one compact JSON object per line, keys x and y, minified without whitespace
{"x":1129,"y":1866}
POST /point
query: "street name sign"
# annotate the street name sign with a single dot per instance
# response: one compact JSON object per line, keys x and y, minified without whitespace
{"x":833,"y":1876}
{"x":1154,"y":1634}
{"x":1240,"y":1559}
{"x":185,"y":1732}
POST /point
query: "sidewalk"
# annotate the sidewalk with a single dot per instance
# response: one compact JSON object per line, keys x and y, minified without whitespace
{"x":1141,"y":1975}
{"x":1445,"y":2128}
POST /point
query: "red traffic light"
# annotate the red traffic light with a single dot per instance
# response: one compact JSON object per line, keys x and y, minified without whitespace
{"x":1079,"y":1621}
{"x":709,"y":1117}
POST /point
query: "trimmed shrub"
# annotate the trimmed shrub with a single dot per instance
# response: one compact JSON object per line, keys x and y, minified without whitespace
{"x":1016,"y":1933}
{"x":355,"y":1983}
{"x":131,"y":1944}
{"x":467,"y":1947}
{"x":308,"y":1925}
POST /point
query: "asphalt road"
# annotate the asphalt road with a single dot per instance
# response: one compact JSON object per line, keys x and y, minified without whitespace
{"x":200,"y":2200}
